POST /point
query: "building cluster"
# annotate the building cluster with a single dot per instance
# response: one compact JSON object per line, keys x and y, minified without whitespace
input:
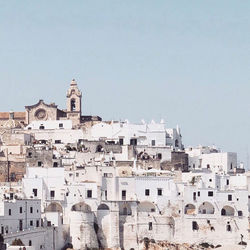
{"x":74,"y":181}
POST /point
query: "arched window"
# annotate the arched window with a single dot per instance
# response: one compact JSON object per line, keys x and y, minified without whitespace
{"x":176,"y":143}
{"x":73,"y":105}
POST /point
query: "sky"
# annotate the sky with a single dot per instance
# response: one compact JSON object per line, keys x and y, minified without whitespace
{"x":187,"y":62}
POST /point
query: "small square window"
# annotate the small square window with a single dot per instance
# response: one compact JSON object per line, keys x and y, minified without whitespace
{"x":153,"y":142}
{"x":89,"y":193}
{"x":229,"y":197}
{"x":159,"y":191}
{"x":55,"y":164}
{"x":210,"y":193}
{"x":52,"y":193}
{"x":60,"y":125}
{"x":35,"y":192}
{"x":147,"y":192}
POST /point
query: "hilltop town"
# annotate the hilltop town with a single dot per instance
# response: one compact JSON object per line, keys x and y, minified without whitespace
{"x":74,"y":181}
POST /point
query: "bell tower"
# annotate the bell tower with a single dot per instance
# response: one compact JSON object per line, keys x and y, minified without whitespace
{"x":74,"y":103}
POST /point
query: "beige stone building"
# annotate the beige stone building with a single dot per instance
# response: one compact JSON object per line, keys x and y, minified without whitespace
{"x":42,"y":111}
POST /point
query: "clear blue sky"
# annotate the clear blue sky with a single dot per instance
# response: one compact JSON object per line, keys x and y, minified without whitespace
{"x":185,"y":61}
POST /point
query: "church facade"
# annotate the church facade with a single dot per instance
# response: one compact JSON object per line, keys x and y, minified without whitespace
{"x":42,"y":111}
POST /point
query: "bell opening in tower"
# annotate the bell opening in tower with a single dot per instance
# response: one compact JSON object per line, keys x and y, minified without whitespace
{"x":73,"y":105}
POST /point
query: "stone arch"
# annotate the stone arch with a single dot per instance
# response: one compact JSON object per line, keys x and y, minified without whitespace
{"x":81,"y":207}
{"x":103,"y":207}
{"x":146,"y":207}
{"x":189,"y":209}
{"x":125,"y":209}
{"x":227,"y":211}
{"x":206,"y":208}
{"x":54,"y":207}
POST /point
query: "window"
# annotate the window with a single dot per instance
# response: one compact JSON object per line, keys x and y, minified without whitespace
{"x":229,"y":228}
{"x":199,"y":193}
{"x":159,"y":156}
{"x":106,"y":194}
{"x":30,"y":243}
{"x":133,"y":142}
{"x":41,"y":127}
{"x":240,"y":213}
{"x":147,"y":192}
{"x":194,"y":196}
{"x":229,"y":197}
{"x":31,"y":223}
{"x":60,"y":125}
{"x":210,"y":193}
{"x":58,"y":142}
{"x":77,"y":174}
{"x":150,"y":226}
{"x":121,"y":141}
{"x":39,"y":163}
{"x":55,"y":164}
{"x":159,"y":191}
{"x":153,"y":142}
{"x":105,"y":174}
{"x":231,"y":166}
{"x":52,"y":194}
{"x":208,"y":166}
{"x":89,"y":193}
{"x":20,"y":210}
{"x":210,"y":180}
{"x":31,"y":210}
{"x":227,"y":182}
{"x":37,"y":223}
{"x":35,"y":192}
{"x":9,"y":211}
{"x":195,"y":226}
{"x":123,"y":194}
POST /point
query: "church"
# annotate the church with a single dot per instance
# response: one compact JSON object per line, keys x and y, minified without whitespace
{"x":42,"y":111}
